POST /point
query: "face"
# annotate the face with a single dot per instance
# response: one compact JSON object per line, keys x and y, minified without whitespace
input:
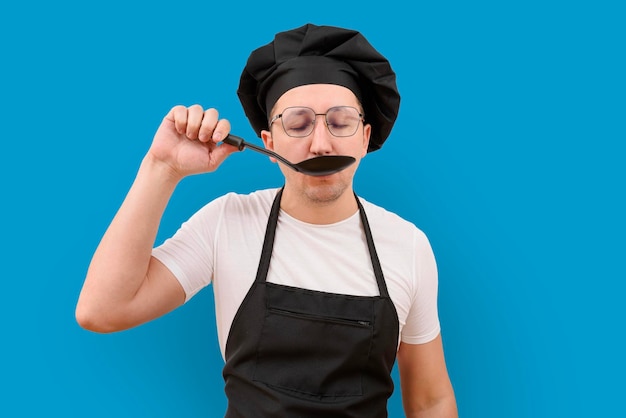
{"x":320,"y":98}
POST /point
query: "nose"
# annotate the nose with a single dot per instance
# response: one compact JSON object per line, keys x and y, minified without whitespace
{"x":321,"y":141}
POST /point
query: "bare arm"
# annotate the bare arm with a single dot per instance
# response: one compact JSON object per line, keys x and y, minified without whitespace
{"x":426,"y":388}
{"x":125,"y":286}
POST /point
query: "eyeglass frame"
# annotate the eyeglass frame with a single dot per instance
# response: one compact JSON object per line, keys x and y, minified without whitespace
{"x":280,"y":116}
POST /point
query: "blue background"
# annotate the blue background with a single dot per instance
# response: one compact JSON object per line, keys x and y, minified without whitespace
{"x":508,"y":152}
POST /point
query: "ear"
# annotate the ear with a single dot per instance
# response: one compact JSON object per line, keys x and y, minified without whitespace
{"x":367,"y":132}
{"x":266,"y":136}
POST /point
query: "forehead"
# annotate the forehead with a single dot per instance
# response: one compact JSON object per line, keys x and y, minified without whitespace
{"x":318,"y":97}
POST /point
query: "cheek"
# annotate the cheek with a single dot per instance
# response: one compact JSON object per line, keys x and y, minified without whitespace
{"x":292,"y":147}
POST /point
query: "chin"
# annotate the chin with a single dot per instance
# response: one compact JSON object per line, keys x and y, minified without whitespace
{"x":324,"y":189}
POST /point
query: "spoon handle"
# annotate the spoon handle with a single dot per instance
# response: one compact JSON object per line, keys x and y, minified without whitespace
{"x":239,"y":142}
{"x":235,"y":141}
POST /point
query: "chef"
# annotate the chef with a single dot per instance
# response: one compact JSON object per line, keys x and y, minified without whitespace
{"x":317,"y":291}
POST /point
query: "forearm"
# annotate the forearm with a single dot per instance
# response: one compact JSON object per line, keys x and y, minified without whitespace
{"x":120,"y":263}
{"x":426,"y":388}
{"x":442,"y":408}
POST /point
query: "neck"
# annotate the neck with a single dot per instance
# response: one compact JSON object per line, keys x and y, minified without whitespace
{"x":319,"y":206}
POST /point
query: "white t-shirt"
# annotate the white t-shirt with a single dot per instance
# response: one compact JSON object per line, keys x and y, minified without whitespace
{"x":221,"y":244}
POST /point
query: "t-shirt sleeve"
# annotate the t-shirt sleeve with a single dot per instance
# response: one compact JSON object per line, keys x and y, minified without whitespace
{"x":189,"y":254}
{"x":422,"y":324}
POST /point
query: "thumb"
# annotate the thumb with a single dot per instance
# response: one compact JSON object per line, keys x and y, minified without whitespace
{"x":221,"y":152}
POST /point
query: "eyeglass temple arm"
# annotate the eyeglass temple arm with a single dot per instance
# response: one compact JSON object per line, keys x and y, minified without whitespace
{"x":241,"y":144}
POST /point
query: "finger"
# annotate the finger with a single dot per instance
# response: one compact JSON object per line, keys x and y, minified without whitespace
{"x":221,"y":131}
{"x":194,"y":120}
{"x":209,"y":121}
{"x":178,"y":115}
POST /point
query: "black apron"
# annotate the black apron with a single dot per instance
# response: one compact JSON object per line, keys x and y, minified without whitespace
{"x":294,"y":352}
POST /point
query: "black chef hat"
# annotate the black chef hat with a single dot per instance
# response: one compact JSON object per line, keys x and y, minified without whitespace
{"x":321,"y":55}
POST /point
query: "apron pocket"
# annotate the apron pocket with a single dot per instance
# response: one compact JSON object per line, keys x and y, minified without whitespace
{"x":314,"y":354}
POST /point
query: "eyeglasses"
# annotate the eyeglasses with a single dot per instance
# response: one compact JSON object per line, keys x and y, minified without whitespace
{"x":299,"y":121}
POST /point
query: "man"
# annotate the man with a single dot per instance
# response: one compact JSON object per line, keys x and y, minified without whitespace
{"x":317,"y":291}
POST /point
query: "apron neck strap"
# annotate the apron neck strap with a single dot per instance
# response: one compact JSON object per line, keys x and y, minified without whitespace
{"x":268,"y":243}
{"x":378,"y":271}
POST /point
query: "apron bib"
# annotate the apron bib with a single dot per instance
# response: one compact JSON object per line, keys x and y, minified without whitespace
{"x":294,"y":352}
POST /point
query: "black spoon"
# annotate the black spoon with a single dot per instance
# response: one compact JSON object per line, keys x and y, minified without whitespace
{"x":317,"y":166}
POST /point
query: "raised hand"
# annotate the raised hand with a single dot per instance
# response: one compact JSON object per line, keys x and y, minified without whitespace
{"x":188,"y":140}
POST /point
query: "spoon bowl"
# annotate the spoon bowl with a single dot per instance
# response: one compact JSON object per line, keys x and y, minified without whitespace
{"x":316,"y":166}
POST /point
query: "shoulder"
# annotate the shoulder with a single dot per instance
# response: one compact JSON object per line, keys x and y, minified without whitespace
{"x":400,"y":243}
{"x":233,"y":204}
{"x":387,"y":223}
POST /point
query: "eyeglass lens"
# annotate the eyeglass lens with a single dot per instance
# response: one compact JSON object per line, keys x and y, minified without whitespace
{"x":341,"y":121}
